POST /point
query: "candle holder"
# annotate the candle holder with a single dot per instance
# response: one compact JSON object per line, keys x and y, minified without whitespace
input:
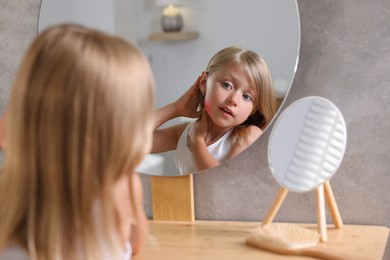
{"x":171,"y":19}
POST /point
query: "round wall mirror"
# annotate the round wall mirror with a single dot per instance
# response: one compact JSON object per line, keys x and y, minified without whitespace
{"x":269,"y":28}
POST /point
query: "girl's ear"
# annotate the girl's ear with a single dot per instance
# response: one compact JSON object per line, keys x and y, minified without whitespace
{"x":203,"y":82}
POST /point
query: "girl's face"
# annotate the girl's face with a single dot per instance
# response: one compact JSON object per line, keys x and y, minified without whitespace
{"x":229,"y":99}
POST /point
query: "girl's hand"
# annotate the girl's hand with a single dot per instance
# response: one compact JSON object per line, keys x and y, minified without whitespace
{"x":187,"y":104}
{"x":166,"y":139}
{"x":199,"y":132}
{"x":197,"y":143}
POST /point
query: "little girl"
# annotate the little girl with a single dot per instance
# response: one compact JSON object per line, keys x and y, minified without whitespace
{"x":80,"y":119}
{"x":233,"y":99}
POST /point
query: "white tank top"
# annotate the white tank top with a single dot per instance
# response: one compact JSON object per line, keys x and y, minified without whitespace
{"x":185,"y":160}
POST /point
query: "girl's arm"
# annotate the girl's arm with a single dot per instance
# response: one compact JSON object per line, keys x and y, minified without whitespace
{"x":132,"y":221}
{"x":197,"y":141}
{"x":203,"y":159}
{"x":166,"y":139}
{"x":139,"y":229}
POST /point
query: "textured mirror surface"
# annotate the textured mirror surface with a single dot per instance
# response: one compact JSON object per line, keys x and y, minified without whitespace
{"x":307,"y":144}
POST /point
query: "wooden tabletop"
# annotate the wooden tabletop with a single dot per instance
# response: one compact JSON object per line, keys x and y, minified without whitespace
{"x":218,"y":240}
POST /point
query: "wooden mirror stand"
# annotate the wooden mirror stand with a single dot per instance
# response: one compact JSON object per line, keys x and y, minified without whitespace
{"x":173,"y":198}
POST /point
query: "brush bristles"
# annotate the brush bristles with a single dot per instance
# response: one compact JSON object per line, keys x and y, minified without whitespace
{"x":285,"y":235}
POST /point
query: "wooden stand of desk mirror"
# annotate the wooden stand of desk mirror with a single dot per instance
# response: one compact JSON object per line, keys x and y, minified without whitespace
{"x":173,"y":198}
{"x":323,"y":193}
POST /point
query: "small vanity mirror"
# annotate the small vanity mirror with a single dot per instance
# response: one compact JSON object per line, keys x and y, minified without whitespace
{"x":307,"y":144}
{"x":270,"y":28}
{"x":306,"y":147}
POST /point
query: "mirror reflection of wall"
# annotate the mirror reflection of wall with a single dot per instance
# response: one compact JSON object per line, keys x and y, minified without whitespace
{"x":270,"y":28}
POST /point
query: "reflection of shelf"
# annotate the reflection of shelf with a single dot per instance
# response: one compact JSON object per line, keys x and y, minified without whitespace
{"x":173,"y":36}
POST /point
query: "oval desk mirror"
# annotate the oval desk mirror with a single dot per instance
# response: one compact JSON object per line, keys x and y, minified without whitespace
{"x":305,"y":149}
{"x":270,"y":28}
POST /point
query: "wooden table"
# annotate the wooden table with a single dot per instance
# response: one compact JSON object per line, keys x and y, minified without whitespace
{"x":216,"y":240}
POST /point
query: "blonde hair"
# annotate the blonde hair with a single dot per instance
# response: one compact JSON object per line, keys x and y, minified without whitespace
{"x":80,"y":117}
{"x":260,"y":76}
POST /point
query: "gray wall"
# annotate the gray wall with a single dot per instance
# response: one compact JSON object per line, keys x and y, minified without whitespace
{"x":345,"y":57}
{"x":18,"y":25}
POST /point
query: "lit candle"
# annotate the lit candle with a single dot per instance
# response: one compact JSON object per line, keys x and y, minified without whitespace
{"x":171,"y":10}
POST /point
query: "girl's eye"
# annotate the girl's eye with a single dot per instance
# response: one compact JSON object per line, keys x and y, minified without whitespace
{"x":226,"y":85}
{"x":247,"y":97}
